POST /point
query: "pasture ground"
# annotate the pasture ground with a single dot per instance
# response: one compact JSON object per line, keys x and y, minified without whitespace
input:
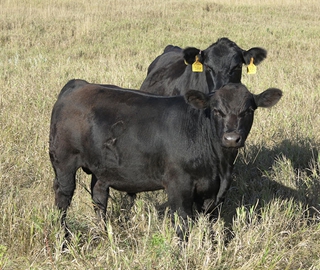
{"x":271,"y":217}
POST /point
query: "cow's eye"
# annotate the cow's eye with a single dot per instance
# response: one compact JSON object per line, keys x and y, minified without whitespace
{"x":218,"y":113}
{"x":236,"y":69}
{"x":250,"y":110}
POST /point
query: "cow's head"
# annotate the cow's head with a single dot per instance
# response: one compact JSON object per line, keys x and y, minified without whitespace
{"x":223,"y":61}
{"x":231,"y":110}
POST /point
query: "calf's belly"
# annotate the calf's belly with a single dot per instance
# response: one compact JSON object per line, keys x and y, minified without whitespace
{"x":131,"y":181}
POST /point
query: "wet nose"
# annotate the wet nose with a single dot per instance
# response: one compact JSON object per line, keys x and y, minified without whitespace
{"x":231,"y":139}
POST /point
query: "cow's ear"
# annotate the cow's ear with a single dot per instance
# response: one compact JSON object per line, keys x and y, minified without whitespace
{"x":197,"y":99}
{"x":189,"y":55}
{"x":268,"y":98}
{"x":258,"y":55}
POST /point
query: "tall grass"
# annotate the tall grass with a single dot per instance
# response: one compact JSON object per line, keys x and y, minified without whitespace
{"x":270,"y":219}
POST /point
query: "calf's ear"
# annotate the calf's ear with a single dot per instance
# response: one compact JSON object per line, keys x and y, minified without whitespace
{"x":197,"y":99}
{"x":268,"y":98}
{"x":189,"y":55}
{"x":258,"y":55}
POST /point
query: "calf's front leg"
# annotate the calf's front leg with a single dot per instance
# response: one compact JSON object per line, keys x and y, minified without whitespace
{"x":180,"y":198}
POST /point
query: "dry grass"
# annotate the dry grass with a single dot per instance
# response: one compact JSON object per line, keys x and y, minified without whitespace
{"x":271,"y":217}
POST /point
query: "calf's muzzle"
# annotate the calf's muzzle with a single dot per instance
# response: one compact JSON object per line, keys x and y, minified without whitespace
{"x":232,"y":139}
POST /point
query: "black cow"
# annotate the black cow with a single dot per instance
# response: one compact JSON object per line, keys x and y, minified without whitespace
{"x":135,"y":142}
{"x":171,"y":72}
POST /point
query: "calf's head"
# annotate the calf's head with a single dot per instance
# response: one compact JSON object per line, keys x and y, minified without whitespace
{"x":231,"y":110}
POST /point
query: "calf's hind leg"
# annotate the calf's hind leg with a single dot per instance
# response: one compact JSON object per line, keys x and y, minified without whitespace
{"x":64,"y":186}
{"x":100,"y":194}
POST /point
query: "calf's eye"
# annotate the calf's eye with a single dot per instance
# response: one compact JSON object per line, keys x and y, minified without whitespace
{"x":249,"y":111}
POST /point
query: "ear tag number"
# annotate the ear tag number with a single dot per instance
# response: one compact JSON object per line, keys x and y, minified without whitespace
{"x":197,"y":66}
{"x":251,"y":69}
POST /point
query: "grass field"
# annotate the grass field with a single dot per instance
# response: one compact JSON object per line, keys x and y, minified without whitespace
{"x":271,"y":218}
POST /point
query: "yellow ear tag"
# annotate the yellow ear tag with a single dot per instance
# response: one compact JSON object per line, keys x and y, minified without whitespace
{"x":197,"y":66}
{"x":251,"y":69}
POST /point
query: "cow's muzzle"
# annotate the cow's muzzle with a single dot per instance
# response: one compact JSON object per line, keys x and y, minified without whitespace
{"x":232,"y":140}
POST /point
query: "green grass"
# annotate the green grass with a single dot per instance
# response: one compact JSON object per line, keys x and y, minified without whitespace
{"x":270,"y":219}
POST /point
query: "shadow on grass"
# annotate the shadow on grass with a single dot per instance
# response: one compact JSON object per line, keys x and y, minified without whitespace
{"x":291,"y":170}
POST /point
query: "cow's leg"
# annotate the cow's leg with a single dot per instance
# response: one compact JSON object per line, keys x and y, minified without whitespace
{"x":132,"y":197}
{"x":198,"y":201}
{"x":100,"y":194}
{"x":180,"y":198}
{"x":64,"y":186}
{"x":94,"y":180}
{"x":127,"y":203}
{"x":225,"y":182}
{"x":211,"y":208}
